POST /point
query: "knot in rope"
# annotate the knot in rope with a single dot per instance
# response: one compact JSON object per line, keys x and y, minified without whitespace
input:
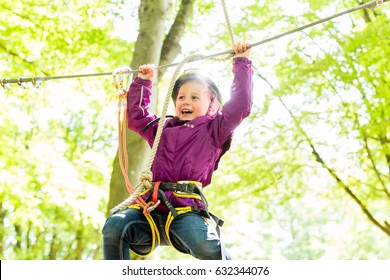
{"x":146,"y":177}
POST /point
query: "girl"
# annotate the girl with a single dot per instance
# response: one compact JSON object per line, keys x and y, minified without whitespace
{"x":190,"y":148}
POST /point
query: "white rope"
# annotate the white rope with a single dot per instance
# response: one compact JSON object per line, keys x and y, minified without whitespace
{"x":227,"y":21}
{"x":165,"y":107}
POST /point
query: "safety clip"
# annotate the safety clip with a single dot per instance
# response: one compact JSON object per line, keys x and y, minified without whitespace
{"x":21,"y":83}
{"x":36,"y":82}
{"x":122,"y":78}
{"x":4,"y":85}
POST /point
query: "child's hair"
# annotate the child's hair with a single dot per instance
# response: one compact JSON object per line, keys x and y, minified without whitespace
{"x":193,"y":75}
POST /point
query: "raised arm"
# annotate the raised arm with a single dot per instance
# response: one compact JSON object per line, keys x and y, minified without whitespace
{"x":238,"y":107}
{"x":138,"y":103}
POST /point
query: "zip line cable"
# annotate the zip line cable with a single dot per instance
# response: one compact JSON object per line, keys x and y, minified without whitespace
{"x":36,"y":81}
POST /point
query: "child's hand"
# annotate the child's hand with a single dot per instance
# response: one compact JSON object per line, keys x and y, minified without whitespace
{"x":242,"y":49}
{"x":146,"y":72}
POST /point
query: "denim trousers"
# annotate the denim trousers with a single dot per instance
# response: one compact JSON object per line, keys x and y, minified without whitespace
{"x":189,"y":233}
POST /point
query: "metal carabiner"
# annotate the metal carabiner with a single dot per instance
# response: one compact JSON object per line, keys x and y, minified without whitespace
{"x":122,"y":78}
{"x":4,"y":85}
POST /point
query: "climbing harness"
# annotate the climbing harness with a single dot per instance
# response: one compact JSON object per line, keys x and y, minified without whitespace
{"x":141,"y":194}
{"x":187,"y":189}
{"x":147,"y":195}
{"x":182,"y":189}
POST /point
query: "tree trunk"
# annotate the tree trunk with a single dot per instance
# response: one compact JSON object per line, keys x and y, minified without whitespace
{"x":150,"y":47}
{"x":171,"y":47}
{"x":152,"y":15}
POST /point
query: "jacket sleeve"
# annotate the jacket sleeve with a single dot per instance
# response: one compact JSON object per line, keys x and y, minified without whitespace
{"x":240,"y":103}
{"x":138,"y":103}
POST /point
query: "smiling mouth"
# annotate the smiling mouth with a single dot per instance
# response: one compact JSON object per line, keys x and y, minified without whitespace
{"x":186,"y":112}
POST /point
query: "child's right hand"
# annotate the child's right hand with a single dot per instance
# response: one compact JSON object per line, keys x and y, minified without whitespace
{"x":146,"y":72}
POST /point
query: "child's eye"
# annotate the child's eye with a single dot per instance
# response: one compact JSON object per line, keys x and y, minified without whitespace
{"x":181,"y":97}
{"x":195,"y":97}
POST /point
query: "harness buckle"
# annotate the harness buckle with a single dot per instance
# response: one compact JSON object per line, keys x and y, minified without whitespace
{"x":195,"y":209}
{"x":186,"y":186}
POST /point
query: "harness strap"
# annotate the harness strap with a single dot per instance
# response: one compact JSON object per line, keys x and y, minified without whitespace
{"x":187,"y":187}
{"x":170,"y":207}
{"x":171,"y":217}
{"x":208,"y":215}
{"x":154,"y":121}
{"x":155,"y":191}
{"x":153,"y":228}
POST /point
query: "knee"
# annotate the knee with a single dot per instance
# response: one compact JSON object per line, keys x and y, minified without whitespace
{"x":209,"y":250}
{"x":113,"y":227}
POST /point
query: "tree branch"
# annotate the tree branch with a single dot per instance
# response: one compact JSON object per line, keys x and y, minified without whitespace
{"x":171,"y":47}
{"x":25,"y":60}
{"x":348,"y":190}
{"x":14,"y":54}
{"x":378,"y":174}
{"x":152,"y":17}
{"x":339,"y":181}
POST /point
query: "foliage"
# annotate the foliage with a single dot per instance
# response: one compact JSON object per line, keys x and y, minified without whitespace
{"x":57,"y":142}
{"x":315,"y":146}
{"x":318,"y":152}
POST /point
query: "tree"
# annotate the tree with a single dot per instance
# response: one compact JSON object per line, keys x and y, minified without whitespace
{"x":345,"y":77}
{"x":298,"y":125}
{"x":54,"y":142}
{"x":157,"y":47}
{"x":317,"y":136}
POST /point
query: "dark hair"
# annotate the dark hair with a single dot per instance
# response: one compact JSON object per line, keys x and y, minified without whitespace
{"x":191,"y":75}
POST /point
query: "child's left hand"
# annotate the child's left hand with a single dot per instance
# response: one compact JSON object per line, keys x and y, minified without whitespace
{"x":242,"y":49}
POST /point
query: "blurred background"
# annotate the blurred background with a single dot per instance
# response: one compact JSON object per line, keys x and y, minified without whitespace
{"x":308,"y":174}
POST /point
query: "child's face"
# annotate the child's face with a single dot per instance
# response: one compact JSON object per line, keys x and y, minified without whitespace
{"x":193,"y":100}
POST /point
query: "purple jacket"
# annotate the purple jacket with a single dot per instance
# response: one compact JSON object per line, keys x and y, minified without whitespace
{"x":191,"y":150}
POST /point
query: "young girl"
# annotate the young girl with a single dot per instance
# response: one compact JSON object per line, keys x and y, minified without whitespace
{"x":190,"y":148}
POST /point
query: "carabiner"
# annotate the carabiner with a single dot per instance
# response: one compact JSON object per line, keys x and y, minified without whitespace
{"x":122,"y":78}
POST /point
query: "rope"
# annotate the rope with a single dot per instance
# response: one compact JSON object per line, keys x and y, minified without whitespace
{"x":228,"y":24}
{"x":121,"y":84}
{"x":369,"y":5}
{"x":36,"y":80}
{"x":166,"y":104}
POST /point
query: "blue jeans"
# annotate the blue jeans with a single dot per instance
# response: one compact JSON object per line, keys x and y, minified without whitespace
{"x":189,"y":234}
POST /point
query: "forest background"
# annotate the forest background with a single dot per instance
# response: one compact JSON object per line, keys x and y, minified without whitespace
{"x":308,"y":174}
